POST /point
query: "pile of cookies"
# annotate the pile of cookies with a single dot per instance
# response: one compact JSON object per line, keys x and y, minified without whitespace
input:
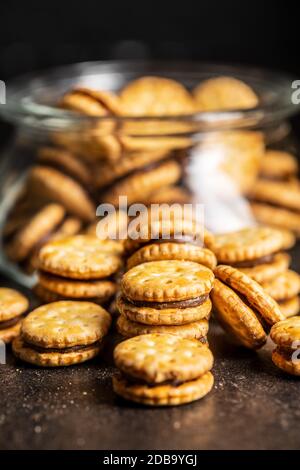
{"x":80,"y":267}
{"x":258,"y":253}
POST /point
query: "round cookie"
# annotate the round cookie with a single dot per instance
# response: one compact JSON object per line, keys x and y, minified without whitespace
{"x":286,"y":333}
{"x":268,"y":271}
{"x":166,"y":281}
{"x":236,"y":317}
{"x":108,"y":172}
{"x":7,"y":335}
{"x":52,"y":359}
{"x":283,"y":360}
{"x":193,"y":330}
{"x":66,"y":162}
{"x":278,"y":165}
{"x":65,"y":324}
{"x":12,"y":304}
{"x":156,"y":358}
{"x":245,"y":245}
{"x":136,"y":186}
{"x":91,"y":102}
{"x":58,"y":187}
{"x":81,"y":257}
{"x":278,"y":217}
{"x":38,"y":227}
{"x":168,"y":316}
{"x":283,"y":287}
{"x":256,"y":296}
{"x":76,"y":288}
{"x":175,"y":251}
{"x":282,"y":194}
{"x":164,"y":395}
{"x":290,"y":307}
{"x":224,"y":94}
{"x":156,"y":96}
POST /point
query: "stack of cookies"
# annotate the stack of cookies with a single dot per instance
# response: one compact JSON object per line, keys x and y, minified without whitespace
{"x":13,"y":307}
{"x":162,"y":369}
{"x":62,"y":334}
{"x":79,"y":267}
{"x":168,"y":296}
{"x":257,"y":252}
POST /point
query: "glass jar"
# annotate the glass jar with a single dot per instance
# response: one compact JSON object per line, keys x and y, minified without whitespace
{"x":82,"y":159}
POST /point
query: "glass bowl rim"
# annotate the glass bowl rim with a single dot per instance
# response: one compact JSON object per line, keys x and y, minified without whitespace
{"x":28,"y":111}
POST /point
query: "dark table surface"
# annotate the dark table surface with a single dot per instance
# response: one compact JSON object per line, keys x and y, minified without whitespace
{"x":252,"y":406}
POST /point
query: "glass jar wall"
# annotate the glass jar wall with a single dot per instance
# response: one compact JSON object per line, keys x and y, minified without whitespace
{"x":181,"y":133}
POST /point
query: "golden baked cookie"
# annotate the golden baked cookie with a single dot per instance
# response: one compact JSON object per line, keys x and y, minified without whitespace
{"x":281,"y":194}
{"x":80,"y":257}
{"x":12,"y":304}
{"x":102,"y":289}
{"x":284,"y":286}
{"x":167,"y":225}
{"x":46,"y":296}
{"x":91,"y":102}
{"x":51,"y":357}
{"x":286,"y":333}
{"x":137,"y":185}
{"x":283,"y":360}
{"x":166,"y":281}
{"x":112,"y":226}
{"x":66,"y":162}
{"x":224,"y":93}
{"x":58,"y":187}
{"x":256,"y":296}
{"x":163,"y":395}
{"x":156,"y":96}
{"x":156,"y":358}
{"x":105,"y":173}
{"x":170,"y":195}
{"x":65,"y":324}
{"x":7,"y":335}
{"x":39,"y":226}
{"x":278,"y":217}
{"x":246,"y":244}
{"x":290,"y":307}
{"x":166,"y":316}
{"x":193,"y":330}
{"x":237,"y":318}
{"x":278,"y":165}
{"x":175,"y":251}
{"x":267,"y":271}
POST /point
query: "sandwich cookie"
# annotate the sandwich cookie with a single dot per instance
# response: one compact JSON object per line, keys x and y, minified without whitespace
{"x":286,"y":336}
{"x":62,"y":333}
{"x":254,"y":251}
{"x":78,"y":267}
{"x":162,"y":369}
{"x":242,"y":307}
{"x":13,"y":306}
{"x":168,"y":296}
{"x":285,"y":289}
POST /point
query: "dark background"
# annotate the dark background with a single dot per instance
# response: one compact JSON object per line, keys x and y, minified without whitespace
{"x":37,"y":35}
